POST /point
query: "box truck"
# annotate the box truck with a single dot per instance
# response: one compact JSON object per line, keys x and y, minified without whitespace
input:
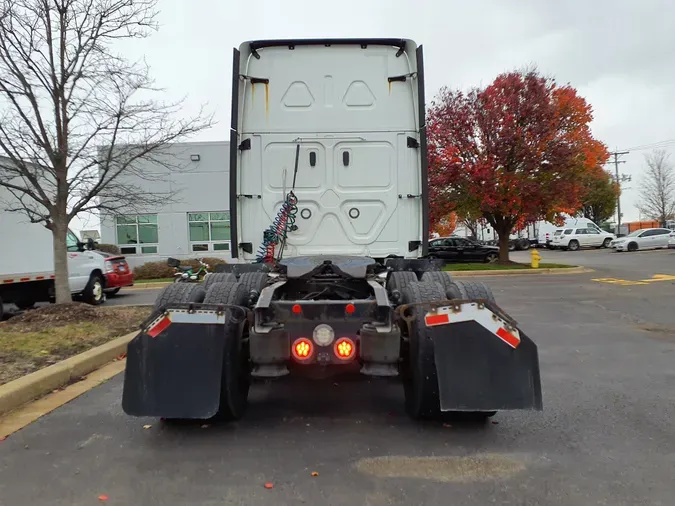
{"x":27,"y":264}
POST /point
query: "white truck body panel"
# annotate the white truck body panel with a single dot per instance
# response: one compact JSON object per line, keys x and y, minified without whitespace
{"x":26,"y":252}
{"x":355,"y":168}
{"x":26,"y":248}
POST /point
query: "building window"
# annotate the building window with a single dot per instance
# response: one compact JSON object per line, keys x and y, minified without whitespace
{"x":133,"y":230}
{"x":209,"y":231}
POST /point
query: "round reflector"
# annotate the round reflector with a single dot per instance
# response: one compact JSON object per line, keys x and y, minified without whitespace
{"x":302,"y":348}
{"x":350,"y":308}
{"x":296,"y":308}
{"x":323,"y":335}
{"x":344,"y":348}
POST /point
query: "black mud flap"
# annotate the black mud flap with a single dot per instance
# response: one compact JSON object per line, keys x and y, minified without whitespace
{"x":175,"y":374}
{"x":479,"y":371}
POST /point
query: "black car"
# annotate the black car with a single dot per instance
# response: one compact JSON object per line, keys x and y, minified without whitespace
{"x":459,"y":249}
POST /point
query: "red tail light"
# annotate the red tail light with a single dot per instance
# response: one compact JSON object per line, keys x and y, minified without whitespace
{"x":344,"y":348}
{"x":302,"y":349}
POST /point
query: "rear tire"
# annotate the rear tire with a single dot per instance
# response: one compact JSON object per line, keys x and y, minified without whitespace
{"x":441,"y":277}
{"x":398,"y":280}
{"x":24,"y":304}
{"x":253,"y":281}
{"x":114,"y":291}
{"x":420,"y":379}
{"x":492,"y":258}
{"x":218,"y":277}
{"x":573,"y":245}
{"x":236,"y":377}
{"x":179,"y":293}
{"x":472,"y":290}
{"x":418,"y":369}
{"x":227,"y":293}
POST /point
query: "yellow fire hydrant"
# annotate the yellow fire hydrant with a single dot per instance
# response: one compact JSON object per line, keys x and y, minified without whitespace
{"x":535,"y":259}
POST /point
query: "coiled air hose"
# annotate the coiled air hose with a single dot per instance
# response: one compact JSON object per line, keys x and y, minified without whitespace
{"x":277,"y":232}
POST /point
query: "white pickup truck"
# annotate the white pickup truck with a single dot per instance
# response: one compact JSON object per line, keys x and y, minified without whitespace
{"x":27,"y":265}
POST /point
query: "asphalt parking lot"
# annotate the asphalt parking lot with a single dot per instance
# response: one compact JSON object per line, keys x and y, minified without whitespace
{"x":633,"y":265}
{"x":607,"y":354}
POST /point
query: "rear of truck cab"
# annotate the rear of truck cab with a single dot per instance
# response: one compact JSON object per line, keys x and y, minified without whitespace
{"x":340,"y":128}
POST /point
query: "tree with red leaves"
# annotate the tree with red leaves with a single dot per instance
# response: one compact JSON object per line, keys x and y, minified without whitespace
{"x":516,"y":151}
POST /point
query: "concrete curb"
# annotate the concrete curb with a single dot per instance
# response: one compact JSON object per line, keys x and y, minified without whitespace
{"x":519,"y":272}
{"x":32,"y":386}
{"x":145,"y":286}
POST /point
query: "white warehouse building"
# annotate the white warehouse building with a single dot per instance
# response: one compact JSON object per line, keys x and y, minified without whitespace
{"x":193,"y":224}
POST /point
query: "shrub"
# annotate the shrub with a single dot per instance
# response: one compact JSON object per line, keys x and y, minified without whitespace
{"x":157,"y":270}
{"x":108,"y":248}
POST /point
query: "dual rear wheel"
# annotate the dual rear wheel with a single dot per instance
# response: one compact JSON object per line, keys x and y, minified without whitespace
{"x":236,"y":369}
{"x":418,"y":367}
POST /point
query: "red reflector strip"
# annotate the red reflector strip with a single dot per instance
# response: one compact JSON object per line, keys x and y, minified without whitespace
{"x":507,"y":337}
{"x":159,"y":327}
{"x":8,"y":281}
{"x":436,"y":319}
{"x":25,"y":279}
{"x":40,"y":277}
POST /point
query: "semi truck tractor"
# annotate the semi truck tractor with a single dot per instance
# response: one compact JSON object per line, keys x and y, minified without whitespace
{"x":330,"y":225}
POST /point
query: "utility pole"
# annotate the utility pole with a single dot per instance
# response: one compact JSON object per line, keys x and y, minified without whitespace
{"x":619,"y":179}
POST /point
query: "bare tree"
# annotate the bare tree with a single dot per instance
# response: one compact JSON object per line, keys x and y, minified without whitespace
{"x":75,"y":117}
{"x":657,"y":191}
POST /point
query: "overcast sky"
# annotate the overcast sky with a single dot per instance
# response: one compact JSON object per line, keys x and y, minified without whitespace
{"x":618,"y":54}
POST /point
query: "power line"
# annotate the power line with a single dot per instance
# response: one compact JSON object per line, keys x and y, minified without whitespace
{"x":654,"y":145}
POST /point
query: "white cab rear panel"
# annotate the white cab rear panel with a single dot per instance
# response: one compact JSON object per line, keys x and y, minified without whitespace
{"x":359,"y":180}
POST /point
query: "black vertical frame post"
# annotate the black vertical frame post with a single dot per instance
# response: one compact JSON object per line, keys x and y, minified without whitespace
{"x":234,"y":239}
{"x":423,"y":150}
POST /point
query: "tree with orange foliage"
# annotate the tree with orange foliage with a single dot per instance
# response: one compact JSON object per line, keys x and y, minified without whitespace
{"x":446,"y":225}
{"x":516,"y":149}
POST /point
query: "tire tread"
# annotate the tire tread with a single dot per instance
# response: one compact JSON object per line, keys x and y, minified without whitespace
{"x":227,"y":293}
{"x":473,"y":290}
{"x":179,"y":293}
{"x":253,"y":281}
{"x":218,"y":277}
{"x":399,"y":280}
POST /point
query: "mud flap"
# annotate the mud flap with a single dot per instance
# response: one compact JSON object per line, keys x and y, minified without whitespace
{"x":174,"y":370}
{"x":482,"y":363}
